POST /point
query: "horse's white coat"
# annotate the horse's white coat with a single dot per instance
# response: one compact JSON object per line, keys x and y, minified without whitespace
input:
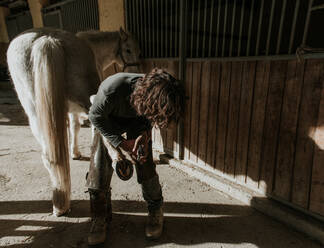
{"x":55,"y":73}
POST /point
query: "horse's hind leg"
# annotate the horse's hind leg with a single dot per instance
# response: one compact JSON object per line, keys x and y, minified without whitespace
{"x":60,"y":206}
{"x":74,"y":129}
{"x":60,"y":203}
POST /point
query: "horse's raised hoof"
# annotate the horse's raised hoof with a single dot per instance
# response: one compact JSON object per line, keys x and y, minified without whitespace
{"x":60,"y":212}
{"x":76,"y":156}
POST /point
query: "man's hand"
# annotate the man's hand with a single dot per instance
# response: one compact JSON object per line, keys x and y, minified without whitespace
{"x":141,"y":147}
{"x":128,"y":145}
{"x":140,"y":143}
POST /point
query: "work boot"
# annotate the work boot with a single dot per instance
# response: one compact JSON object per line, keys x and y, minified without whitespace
{"x":154,"y":225}
{"x":100,"y":206}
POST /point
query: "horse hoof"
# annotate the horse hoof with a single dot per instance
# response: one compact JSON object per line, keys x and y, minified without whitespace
{"x":58,"y":212}
{"x":76,"y":156}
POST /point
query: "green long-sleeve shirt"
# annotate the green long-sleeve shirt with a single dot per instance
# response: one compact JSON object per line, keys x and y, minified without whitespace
{"x":111,"y":112}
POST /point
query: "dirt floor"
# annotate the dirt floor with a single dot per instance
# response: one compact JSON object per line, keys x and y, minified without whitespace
{"x":196,"y":215}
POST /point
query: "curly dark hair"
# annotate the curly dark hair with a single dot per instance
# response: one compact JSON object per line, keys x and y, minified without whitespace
{"x":159,"y":97}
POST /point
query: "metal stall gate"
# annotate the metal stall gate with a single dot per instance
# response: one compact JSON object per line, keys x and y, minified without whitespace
{"x":18,"y":23}
{"x":72,"y":15}
{"x":255,"y":111}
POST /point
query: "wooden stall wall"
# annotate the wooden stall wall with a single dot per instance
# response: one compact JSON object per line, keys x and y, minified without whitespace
{"x":258,"y":123}
{"x":164,"y":140}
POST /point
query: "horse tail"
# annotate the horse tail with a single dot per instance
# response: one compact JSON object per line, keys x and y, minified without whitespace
{"x":48,"y":63}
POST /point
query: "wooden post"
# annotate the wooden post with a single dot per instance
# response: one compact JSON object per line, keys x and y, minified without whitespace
{"x":111,"y":15}
{"x":3,"y":27}
{"x":35,"y":7}
{"x":4,"y":38}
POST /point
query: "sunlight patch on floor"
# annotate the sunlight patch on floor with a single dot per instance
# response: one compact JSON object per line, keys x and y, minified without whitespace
{"x":5,"y":241}
{"x":186,"y":215}
{"x":32,"y":228}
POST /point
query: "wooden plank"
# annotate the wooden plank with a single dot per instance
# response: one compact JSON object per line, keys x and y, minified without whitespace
{"x":160,"y":134}
{"x":288,"y":126}
{"x":233,"y":117}
{"x":271,"y":126}
{"x":203,"y":120}
{"x":155,"y":139}
{"x":213,"y":112}
{"x":223,"y":115}
{"x":317,"y":186}
{"x":196,"y":83}
{"x":173,"y":68}
{"x":159,"y":139}
{"x":257,"y":121}
{"x":246,"y":104}
{"x":146,"y":67}
{"x":163,"y":132}
{"x":187,"y":120}
{"x":307,"y":122}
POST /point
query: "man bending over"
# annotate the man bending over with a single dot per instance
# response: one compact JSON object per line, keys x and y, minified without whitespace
{"x":130,"y":103}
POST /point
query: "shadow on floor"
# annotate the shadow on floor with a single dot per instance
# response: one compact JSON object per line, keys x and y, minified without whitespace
{"x":185,"y":224}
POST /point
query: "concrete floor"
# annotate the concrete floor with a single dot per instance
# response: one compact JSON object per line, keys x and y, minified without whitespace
{"x":196,"y":215}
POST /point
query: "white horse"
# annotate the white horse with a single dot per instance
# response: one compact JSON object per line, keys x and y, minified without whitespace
{"x":55,"y":73}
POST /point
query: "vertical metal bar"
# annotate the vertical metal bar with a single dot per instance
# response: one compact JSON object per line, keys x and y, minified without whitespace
{"x":149,"y":22}
{"x":126,"y":15}
{"x":154,"y":29}
{"x":283,"y":12}
{"x":87,"y":14}
{"x":182,"y":71}
{"x":204,"y":34}
{"x":79,"y":9}
{"x":241,"y":28}
{"x":141,"y":15}
{"x":217,"y":32}
{"x":224,"y":30}
{"x":250,"y":29}
{"x":161,"y":30}
{"x":93,"y":13}
{"x":232,"y":33}
{"x":198,"y":29}
{"x":171,"y":27}
{"x":166,"y":29}
{"x":270,"y":27}
{"x":177,"y":33}
{"x":309,"y":12}
{"x":293,"y":28}
{"x":211,"y":27}
{"x":157,"y":29}
{"x":82,"y":17}
{"x":138,"y":24}
{"x":131,"y":11}
{"x":145,"y":28}
{"x":134,"y":18}
{"x":259,"y":29}
{"x":90,"y":7}
{"x":192,"y":27}
{"x":75,"y":16}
